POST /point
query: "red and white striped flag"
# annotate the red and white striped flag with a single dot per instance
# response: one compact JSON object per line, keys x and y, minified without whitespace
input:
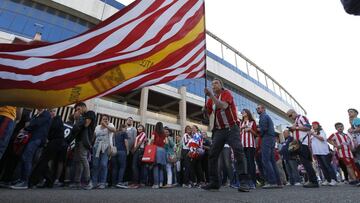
{"x":148,"y":42}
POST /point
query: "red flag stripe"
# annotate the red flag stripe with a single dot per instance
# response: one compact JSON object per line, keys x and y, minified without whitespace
{"x":190,"y":23}
{"x":92,"y":72}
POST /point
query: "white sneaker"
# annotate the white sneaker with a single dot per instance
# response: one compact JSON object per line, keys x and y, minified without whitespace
{"x":155,"y":187}
{"x":297,"y":184}
{"x":288,"y":184}
{"x":325,"y":183}
{"x":333,"y":183}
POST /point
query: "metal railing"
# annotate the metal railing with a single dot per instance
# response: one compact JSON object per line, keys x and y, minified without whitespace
{"x":260,"y":75}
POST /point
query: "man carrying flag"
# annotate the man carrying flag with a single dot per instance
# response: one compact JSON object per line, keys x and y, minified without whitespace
{"x":226,"y":130}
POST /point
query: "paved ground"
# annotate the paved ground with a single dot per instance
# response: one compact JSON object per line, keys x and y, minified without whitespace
{"x":288,"y":194}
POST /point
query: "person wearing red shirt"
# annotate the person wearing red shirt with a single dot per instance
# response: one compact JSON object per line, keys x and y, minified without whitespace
{"x":158,"y":139}
{"x":226,"y":130}
{"x":248,"y":131}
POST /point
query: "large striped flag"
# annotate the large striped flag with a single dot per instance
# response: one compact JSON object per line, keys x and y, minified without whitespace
{"x":148,"y":42}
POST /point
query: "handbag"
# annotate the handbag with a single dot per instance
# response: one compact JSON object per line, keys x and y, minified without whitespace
{"x":21,"y":140}
{"x":112,"y":150}
{"x":295,"y":145}
{"x":149,"y":154}
{"x":171,"y":158}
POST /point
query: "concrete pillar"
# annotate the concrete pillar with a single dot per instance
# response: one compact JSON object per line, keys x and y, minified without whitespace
{"x":143,"y":105}
{"x":182,"y":108}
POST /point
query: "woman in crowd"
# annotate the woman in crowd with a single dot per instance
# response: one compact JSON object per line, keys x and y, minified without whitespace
{"x":170,"y":156}
{"x":178,"y":148}
{"x":196,"y":151}
{"x":103,"y":140}
{"x":158,"y":139}
{"x":119,"y":160}
{"x":185,"y":159}
{"x":320,"y":150}
{"x":248,"y":132}
{"x":138,"y":151}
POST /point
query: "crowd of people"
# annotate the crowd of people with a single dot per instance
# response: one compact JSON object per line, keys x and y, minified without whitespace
{"x":44,"y":151}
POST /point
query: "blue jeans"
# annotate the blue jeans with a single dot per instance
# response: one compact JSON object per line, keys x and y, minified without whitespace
{"x":6,"y":129}
{"x":158,"y":174}
{"x":325,"y":165}
{"x":118,"y":167}
{"x":99,"y":167}
{"x":268,"y":160}
{"x":292,"y":170}
{"x":27,"y":159}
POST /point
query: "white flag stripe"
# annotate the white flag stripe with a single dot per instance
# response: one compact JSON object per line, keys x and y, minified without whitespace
{"x":51,"y":74}
{"x":119,"y":35}
{"x":59,"y":47}
{"x":32,"y":62}
{"x":154,"y":28}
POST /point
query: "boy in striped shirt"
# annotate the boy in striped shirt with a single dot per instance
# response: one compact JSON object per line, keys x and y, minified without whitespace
{"x":343,"y":145}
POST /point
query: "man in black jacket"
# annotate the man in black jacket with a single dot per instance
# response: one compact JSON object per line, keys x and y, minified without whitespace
{"x":38,"y":128}
{"x":55,"y":149}
{"x":83,"y":131}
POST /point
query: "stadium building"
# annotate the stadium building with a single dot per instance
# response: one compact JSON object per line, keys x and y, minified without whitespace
{"x":176,"y":104}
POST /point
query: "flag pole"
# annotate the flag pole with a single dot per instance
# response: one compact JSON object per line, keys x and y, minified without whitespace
{"x":205,"y":116}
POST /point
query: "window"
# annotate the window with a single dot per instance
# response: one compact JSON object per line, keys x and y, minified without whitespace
{"x":6,"y":18}
{"x":18,"y":24}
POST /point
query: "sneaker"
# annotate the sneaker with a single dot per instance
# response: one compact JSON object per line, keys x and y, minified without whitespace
{"x":161,"y":185}
{"x":20,"y":186}
{"x":288,"y":184}
{"x":235,"y":186}
{"x":89,"y":186}
{"x":244,"y":188}
{"x":101,"y":186}
{"x":270,"y":186}
{"x":311,"y":185}
{"x":297,"y":184}
{"x":122,"y":185}
{"x":358,"y":184}
{"x":168,"y":186}
{"x":75,"y":186}
{"x":134,"y":186}
{"x":325,"y":183}
{"x":252,"y":186}
{"x":186,"y":186}
{"x":354,"y":182}
{"x":155,"y":187}
{"x":211,"y":186}
{"x":333,"y":182}
{"x":57,"y":183}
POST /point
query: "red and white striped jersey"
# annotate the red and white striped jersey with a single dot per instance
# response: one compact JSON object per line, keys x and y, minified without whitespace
{"x":141,"y":138}
{"x":248,"y":138}
{"x":224,"y":118}
{"x":342,"y":139}
{"x":301,"y":121}
{"x":185,"y":140}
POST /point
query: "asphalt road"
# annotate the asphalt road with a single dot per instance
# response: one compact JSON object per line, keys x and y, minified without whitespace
{"x":336,"y":194}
